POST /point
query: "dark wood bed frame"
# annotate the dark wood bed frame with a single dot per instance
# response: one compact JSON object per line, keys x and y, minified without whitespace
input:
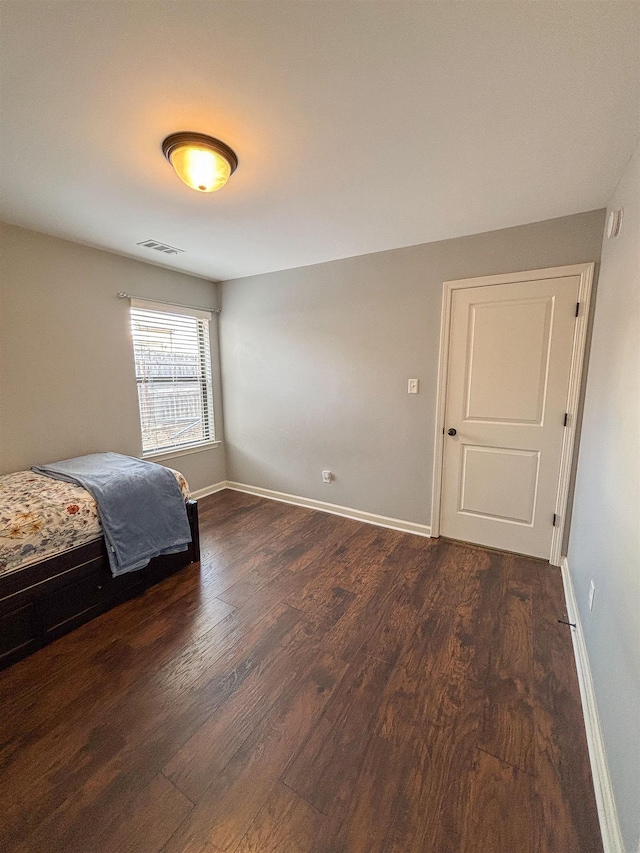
{"x":45,"y":600}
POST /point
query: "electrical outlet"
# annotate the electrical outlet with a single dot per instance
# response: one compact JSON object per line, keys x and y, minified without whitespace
{"x":592,"y":592}
{"x":327,"y":476}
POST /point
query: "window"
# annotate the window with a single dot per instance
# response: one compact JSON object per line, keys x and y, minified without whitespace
{"x":173,"y":373}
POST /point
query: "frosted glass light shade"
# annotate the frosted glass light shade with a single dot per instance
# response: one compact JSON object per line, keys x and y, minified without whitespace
{"x":202,"y":162}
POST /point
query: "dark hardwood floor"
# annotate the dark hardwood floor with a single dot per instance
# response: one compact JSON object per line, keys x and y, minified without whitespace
{"x":318,"y":685}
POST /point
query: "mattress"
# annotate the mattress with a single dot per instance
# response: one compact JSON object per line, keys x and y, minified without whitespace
{"x":41,"y":517}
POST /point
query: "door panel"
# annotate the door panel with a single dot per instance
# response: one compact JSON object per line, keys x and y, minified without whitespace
{"x":514,"y":474}
{"x":509,"y":340}
{"x":508,"y":371}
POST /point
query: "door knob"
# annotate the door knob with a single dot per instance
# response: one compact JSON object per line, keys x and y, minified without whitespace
{"x":452,"y":431}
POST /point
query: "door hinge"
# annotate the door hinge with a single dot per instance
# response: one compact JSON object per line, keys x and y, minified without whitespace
{"x":566,"y":418}
{"x":555,"y":520}
{"x":577,"y":308}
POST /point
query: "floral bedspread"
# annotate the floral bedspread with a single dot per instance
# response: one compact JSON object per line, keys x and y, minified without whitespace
{"x":41,"y":517}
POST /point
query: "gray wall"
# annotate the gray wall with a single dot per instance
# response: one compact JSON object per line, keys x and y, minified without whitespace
{"x":605,"y":534}
{"x":315,"y":363}
{"x":67,"y":377}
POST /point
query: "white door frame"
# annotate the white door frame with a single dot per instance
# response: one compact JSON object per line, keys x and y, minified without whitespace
{"x":585,"y":271}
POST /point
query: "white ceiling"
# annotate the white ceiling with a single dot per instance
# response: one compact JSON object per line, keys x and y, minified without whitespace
{"x":359,"y":126}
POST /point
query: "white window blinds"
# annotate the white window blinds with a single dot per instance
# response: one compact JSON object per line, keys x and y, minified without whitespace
{"x":173,"y":373}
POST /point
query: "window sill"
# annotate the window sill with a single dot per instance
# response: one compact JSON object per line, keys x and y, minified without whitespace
{"x":184,"y":451}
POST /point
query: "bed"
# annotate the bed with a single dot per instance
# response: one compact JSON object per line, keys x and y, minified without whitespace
{"x":54,"y":569}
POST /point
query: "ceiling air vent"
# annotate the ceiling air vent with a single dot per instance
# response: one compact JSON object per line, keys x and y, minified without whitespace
{"x":160,"y":247}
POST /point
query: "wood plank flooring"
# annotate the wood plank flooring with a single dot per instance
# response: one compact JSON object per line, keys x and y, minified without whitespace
{"x":317,"y":685}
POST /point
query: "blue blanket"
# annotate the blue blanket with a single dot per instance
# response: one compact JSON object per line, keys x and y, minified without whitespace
{"x":141,"y":507}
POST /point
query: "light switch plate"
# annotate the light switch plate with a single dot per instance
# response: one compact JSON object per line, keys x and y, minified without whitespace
{"x":413,"y":386}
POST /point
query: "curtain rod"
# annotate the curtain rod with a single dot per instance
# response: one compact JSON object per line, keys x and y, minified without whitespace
{"x":122,"y":295}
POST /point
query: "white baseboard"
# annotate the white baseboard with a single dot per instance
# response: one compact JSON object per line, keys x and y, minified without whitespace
{"x":609,"y":824}
{"x":209,"y":490}
{"x":322,"y":506}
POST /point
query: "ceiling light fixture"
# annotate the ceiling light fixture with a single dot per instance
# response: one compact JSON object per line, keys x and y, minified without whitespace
{"x":205,"y":164}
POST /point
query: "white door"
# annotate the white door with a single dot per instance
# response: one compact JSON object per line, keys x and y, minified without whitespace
{"x":508,"y":372}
